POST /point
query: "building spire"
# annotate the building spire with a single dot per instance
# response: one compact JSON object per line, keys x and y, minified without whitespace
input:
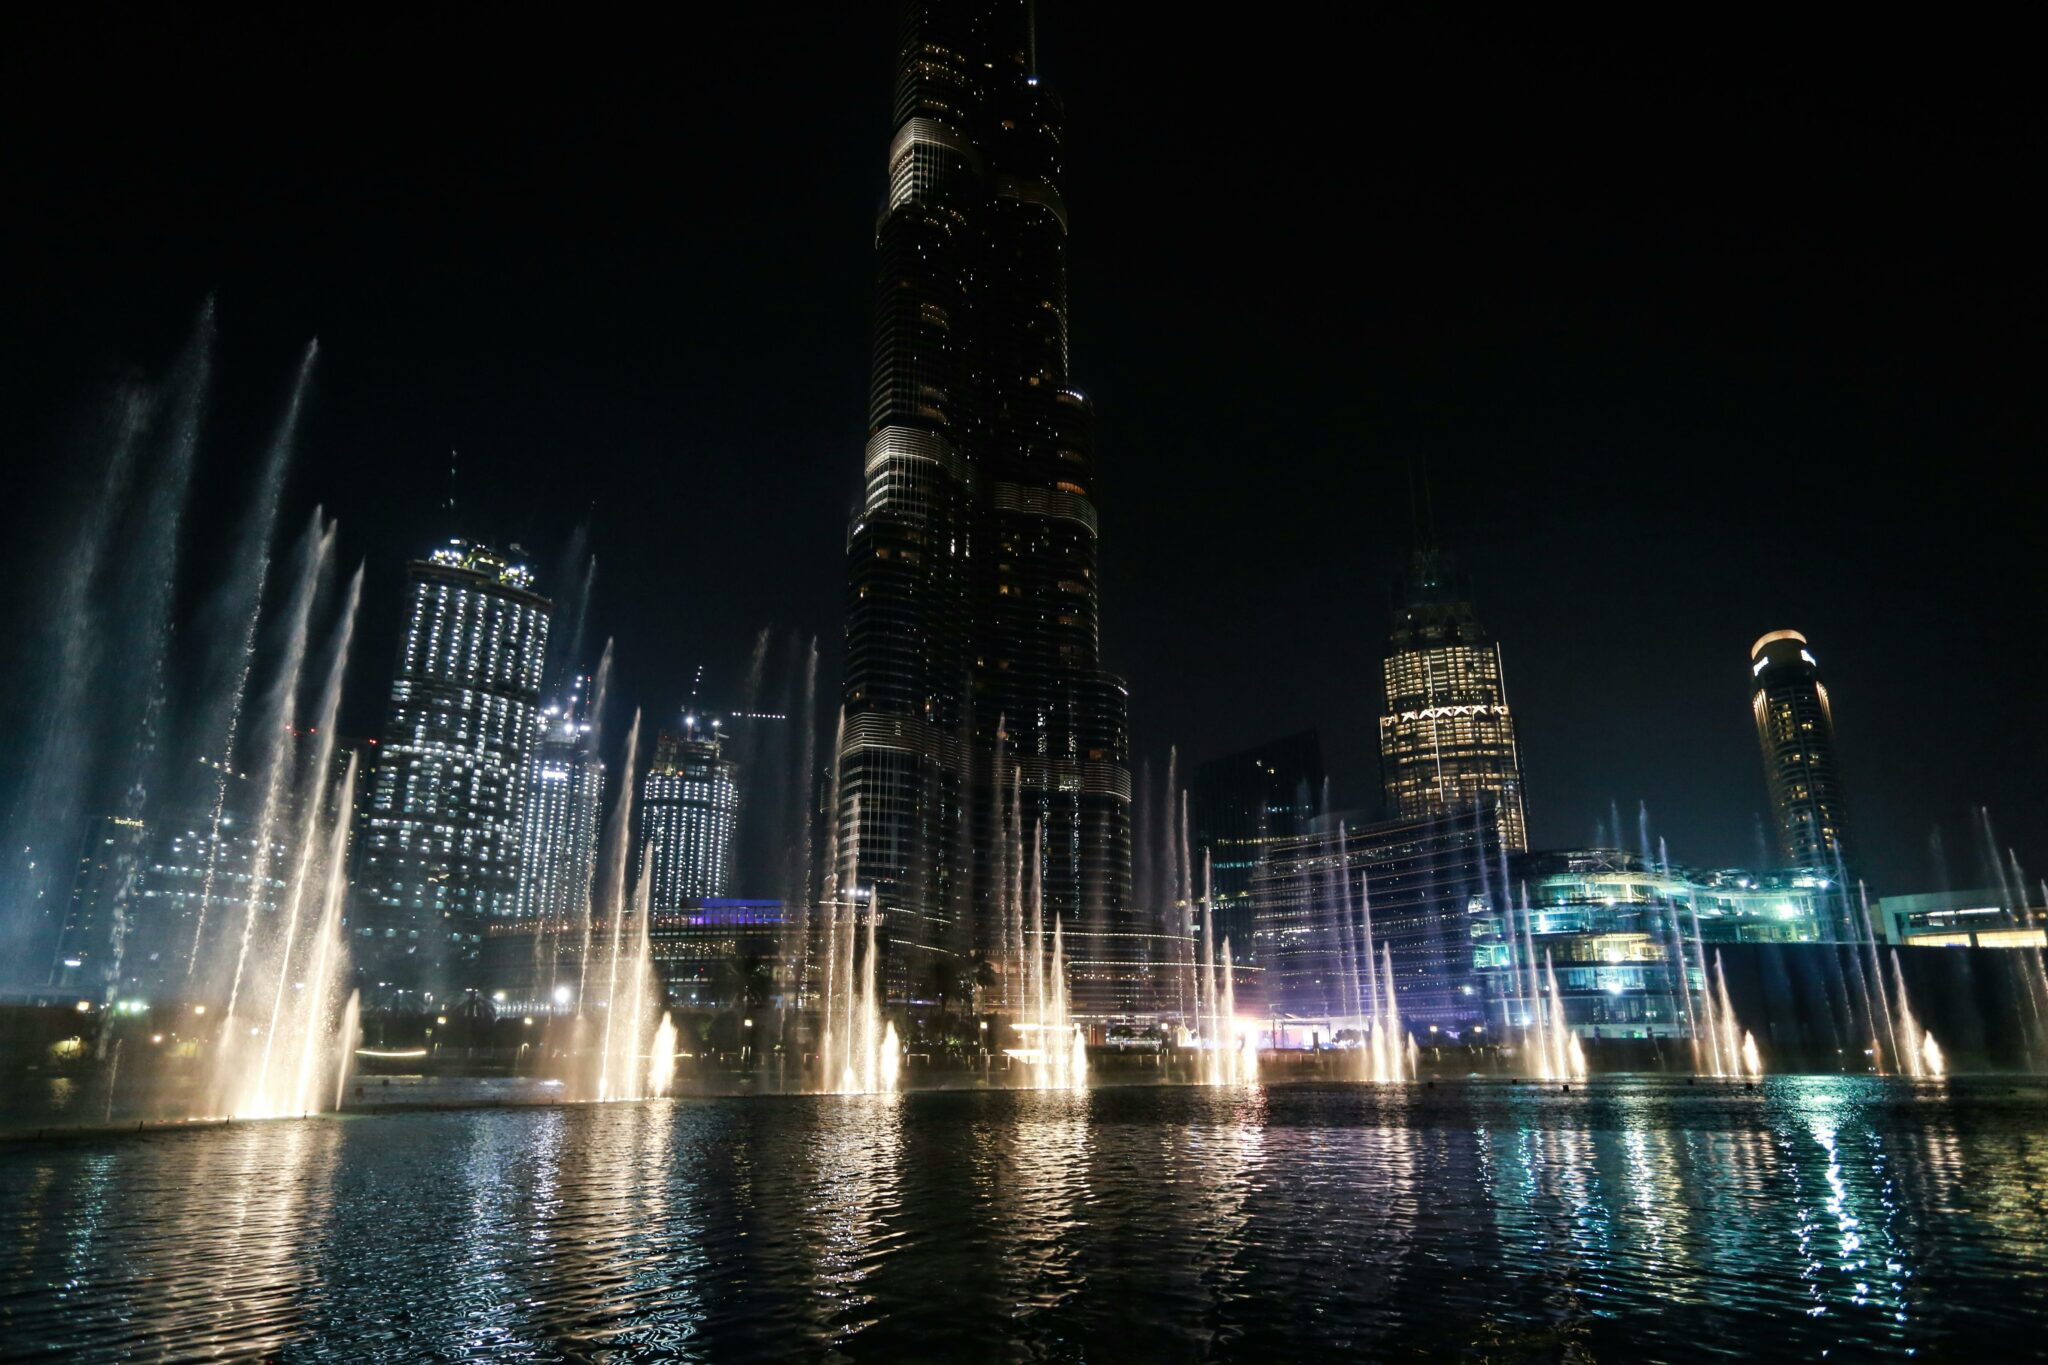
{"x":1422,"y":515}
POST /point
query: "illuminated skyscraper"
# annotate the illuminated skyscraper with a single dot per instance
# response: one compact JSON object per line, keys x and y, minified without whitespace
{"x":441,"y":856}
{"x":1796,"y":727}
{"x":689,"y":812}
{"x":1447,"y":739}
{"x":972,"y":561}
{"x":565,"y":787}
{"x":1242,"y":805}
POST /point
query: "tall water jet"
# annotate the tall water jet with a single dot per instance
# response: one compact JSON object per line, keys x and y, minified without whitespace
{"x":614,"y":1059}
{"x":617,"y":835}
{"x":858,"y":1052}
{"x":280,"y":722}
{"x":1919,"y":1057}
{"x":58,"y":696}
{"x":661,"y":1058}
{"x":1053,"y":1050}
{"x":1554,"y":1050}
{"x":1226,"y":1055}
{"x":149,"y":569}
{"x":286,"y":1037}
{"x":1385,"y":1055}
{"x":240,"y":608}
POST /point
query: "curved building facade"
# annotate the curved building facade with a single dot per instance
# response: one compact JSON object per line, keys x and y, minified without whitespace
{"x":973,"y":651}
{"x":1795,"y":725}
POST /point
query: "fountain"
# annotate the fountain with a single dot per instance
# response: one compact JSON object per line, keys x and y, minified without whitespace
{"x":1724,"y":1048}
{"x":127,"y":697}
{"x":1227,"y":1054}
{"x":1918,"y":1055}
{"x":288,"y":966}
{"x":1053,"y":1050}
{"x":1382,"y":1055}
{"x":627,"y":1055}
{"x":858,"y":1051}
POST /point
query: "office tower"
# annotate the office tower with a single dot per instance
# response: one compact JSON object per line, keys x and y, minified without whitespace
{"x":440,"y":858}
{"x":1447,"y":739}
{"x":1422,"y":886}
{"x":160,"y":870}
{"x":972,"y":561}
{"x":564,"y":790}
{"x":1796,"y":727}
{"x":1239,"y":805}
{"x":689,"y":811}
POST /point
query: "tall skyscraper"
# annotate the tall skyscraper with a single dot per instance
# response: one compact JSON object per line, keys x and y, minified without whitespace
{"x":972,"y":564}
{"x":564,"y":790}
{"x":1447,"y":739}
{"x":441,"y":856}
{"x":689,"y":813}
{"x":1796,"y":727}
{"x":1241,"y":804}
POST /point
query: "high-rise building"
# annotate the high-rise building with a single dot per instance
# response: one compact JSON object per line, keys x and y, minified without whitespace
{"x":440,"y":858}
{"x":1241,"y":804}
{"x":1447,"y":738}
{"x":689,"y":813}
{"x":1418,"y":884}
{"x":1796,"y":727}
{"x":564,"y":791}
{"x":152,"y":877}
{"x":973,"y":583}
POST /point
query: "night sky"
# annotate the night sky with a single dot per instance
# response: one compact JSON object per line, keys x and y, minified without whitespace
{"x":1701,"y":332}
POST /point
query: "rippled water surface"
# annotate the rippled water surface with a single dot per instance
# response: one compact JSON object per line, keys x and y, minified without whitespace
{"x":1640,"y":1219}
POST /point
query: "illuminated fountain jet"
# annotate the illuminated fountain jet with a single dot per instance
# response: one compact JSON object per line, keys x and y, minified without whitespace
{"x":288,"y":1035}
{"x":627,"y":1054}
{"x":858,"y":1051}
{"x":1227,"y":1051}
{"x":1051,"y":1047}
{"x":1726,"y":1049}
{"x":1918,"y":1055}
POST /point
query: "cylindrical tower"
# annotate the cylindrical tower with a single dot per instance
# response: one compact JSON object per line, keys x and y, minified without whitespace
{"x":1796,"y":727}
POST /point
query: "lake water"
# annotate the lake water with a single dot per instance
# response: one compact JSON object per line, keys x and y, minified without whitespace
{"x":1825,"y":1216}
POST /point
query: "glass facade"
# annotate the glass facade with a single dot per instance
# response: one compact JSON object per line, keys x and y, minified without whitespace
{"x":1409,"y":887}
{"x":564,"y":792}
{"x":1447,"y":738}
{"x":440,"y":858}
{"x":689,"y":812}
{"x":1629,"y":944}
{"x":1795,"y":724}
{"x":973,"y":578}
{"x":166,"y":863}
{"x":1243,"y":803}
{"x":717,"y":951}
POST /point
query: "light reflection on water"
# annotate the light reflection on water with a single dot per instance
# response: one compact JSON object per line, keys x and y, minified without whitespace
{"x":1636,"y":1218}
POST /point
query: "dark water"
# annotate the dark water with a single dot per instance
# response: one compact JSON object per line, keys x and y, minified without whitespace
{"x":1640,"y":1219}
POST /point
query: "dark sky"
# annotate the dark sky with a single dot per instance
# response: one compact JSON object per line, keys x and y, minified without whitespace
{"x":1704,"y":328}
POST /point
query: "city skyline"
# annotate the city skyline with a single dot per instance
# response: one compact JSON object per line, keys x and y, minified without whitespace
{"x":1687,"y":614}
{"x":971,"y":679}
